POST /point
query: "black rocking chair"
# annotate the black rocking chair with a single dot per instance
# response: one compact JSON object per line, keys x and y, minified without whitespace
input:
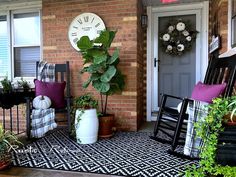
{"x":220,"y":70}
{"x":62,"y":73}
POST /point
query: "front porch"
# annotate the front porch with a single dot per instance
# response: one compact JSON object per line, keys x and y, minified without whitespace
{"x":130,"y":152}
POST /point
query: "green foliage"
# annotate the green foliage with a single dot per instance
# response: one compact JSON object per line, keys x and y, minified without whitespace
{"x":105,"y":77}
{"x":85,"y":101}
{"x":209,"y":129}
{"x":82,"y":102}
{"x":6,"y":85}
{"x":24,"y":84}
{"x":7,"y":140}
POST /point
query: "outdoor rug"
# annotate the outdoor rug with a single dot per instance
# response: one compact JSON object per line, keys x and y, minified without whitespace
{"x":126,"y":154}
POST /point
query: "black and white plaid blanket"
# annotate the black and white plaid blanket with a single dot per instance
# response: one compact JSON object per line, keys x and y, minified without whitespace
{"x":197,"y":110}
{"x":46,"y":72}
{"x":42,"y":121}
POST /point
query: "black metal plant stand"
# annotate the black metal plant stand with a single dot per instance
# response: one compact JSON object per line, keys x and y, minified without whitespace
{"x":11,"y":99}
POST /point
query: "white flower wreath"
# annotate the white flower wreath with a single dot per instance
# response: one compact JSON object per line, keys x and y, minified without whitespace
{"x":178,"y":38}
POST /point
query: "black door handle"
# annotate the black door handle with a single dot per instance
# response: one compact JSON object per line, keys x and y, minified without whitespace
{"x":155,"y":62}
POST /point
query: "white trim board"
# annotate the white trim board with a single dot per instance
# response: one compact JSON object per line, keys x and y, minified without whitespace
{"x":203,"y":9}
{"x":21,"y":5}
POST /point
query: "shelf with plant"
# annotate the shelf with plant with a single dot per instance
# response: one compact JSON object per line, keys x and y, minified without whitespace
{"x":209,"y":129}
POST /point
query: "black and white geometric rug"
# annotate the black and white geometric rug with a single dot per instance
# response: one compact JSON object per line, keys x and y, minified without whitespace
{"x":126,"y":154}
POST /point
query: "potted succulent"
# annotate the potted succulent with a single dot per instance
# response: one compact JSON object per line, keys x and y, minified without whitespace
{"x":7,"y":140}
{"x":105,"y":77}
{"x":86,"y":120}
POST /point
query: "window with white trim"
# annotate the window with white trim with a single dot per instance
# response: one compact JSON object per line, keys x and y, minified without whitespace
{"x":233,"y":23}
{"x":19,"y":43}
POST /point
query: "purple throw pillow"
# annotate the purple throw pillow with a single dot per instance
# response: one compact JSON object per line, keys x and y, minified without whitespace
{"x":54,"y":90}
{"x":206,"y":93}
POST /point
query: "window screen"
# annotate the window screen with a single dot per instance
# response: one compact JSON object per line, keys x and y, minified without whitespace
{"x":25,"y":61}
{"x":4,"y":47}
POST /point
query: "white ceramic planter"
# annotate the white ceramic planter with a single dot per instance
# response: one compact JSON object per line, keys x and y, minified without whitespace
{"x":87,"y":127}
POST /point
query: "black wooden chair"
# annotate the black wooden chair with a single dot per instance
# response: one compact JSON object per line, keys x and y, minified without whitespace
{"x":62,"y":73}
{"x":171,"y":122}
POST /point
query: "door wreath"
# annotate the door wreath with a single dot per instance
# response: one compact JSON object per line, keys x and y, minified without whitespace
{"x":178,"y":37}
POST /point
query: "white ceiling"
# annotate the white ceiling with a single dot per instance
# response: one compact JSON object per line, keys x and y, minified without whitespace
{"x":158,"y":2}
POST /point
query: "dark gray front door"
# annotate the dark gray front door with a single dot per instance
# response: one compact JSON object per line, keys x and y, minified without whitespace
{"x":177,"y":74}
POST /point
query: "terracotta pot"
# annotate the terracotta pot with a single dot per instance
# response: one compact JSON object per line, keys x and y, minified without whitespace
{"x":5,"y":161}
{"x":106,"y":124}
{"x":228,"y":120}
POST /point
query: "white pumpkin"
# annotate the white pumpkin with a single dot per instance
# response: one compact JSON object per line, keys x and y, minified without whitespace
{"x":41,"y":102}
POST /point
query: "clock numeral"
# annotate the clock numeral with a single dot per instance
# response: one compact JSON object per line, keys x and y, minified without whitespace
{"x":76,"y":27}
{"x":86,"y":18}
{"x":97,"y":25}
{"x":80,"y":21}
{"x":92,"y":20}
{"x":73,"y":34}
{"x":75,"y":40}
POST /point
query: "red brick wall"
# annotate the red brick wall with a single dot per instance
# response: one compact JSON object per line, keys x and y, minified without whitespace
{"x":119,"y":15}
{"x":218,"y":21}
{"x":140,"y":66}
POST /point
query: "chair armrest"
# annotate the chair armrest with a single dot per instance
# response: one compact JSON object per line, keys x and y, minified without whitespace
{"x":172,"y":96}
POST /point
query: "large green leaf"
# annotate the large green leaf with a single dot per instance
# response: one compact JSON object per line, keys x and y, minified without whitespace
{"x":91,"y":69}
{"x":117,"y":83}
{"x":114,"y":57}
{"x":84,"y":43}
{"x":107,"y":76}
{"x":95,"y":77}
{"x":86,"y":84}
{"x":99,"y":59}
{"x":101,"y":86}
{"x":106,"y":38}
{"x":111,"y":37}
{"x":103,"y":38}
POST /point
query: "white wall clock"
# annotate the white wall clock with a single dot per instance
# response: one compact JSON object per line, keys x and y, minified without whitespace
{"x":85,"y":24}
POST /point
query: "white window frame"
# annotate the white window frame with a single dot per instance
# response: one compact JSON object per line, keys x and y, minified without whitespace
{"x":230,"y":26}
{"x":14,"y":8}
{"x":29,"y":79}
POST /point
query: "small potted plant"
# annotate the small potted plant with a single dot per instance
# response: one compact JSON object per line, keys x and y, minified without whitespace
{"x":86,"y":120}
{"x":6,"y":94}
{"x":105,"y":76}
{"x":231,"y":117}
{"x":23,"y":84}
{"x":7,"y":140}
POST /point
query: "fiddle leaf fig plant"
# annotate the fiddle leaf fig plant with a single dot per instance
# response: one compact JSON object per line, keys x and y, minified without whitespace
{"x":105,"y":77}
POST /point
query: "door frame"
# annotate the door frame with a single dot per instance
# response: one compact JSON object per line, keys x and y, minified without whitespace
{"x":202,"y":43}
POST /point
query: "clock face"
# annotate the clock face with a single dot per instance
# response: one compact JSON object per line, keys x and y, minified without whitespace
{"x":86,"y":24}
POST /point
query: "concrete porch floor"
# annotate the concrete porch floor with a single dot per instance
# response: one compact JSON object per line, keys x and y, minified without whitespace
{"x":34,"y":172}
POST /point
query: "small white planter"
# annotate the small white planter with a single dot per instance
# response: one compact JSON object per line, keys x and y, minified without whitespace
{"x":87,"y":127}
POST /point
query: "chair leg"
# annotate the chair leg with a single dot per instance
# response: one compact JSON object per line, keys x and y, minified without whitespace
{"x":159,"y":116}
{"x":28,"y":120}
{"x":68,"y":115}
{"x":181,"y":118}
